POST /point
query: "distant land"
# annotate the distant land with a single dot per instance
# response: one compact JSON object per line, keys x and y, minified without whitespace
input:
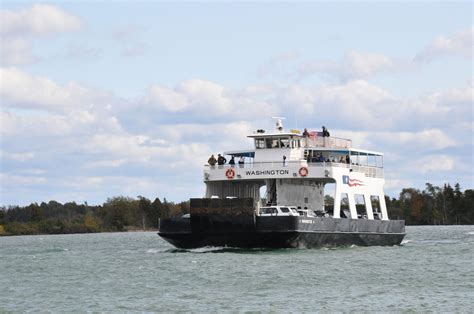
{"x":432,"y":206}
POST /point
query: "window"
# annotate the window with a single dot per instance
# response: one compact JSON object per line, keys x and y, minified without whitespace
{"x":259,"y":143}
{"x":345,"y":212}
{"x":361,"y":208}
{"x":284,"y":143}
{"x":375,"y":201}
{"x":268,"y":210}
{"x":269,"y":143}
{"x":285,"y":209}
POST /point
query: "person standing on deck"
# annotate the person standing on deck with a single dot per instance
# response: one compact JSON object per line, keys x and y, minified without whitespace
{"x":221,"y":160}
{"x":325,"y":134}
{"x":241,"y":161}
{"x":232,"y":161}
{"x":212,"y":161}
{"x":306,"y":136}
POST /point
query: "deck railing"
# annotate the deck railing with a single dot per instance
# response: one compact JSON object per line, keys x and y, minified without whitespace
{"x":369,"y":171}
{"x":329,"y":142}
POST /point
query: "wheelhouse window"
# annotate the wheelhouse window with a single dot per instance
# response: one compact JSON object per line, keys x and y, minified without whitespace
{"x":276,"y":142}
{"x":259,"y":143}
{"x":270,"y":143}
{"x":284,"y":142}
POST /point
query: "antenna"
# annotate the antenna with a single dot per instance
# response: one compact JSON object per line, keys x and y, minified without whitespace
{"x":278,"y":123}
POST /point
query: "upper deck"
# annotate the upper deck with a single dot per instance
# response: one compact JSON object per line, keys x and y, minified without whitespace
{"x":294,"y":139}
{"x":290,"y":170}
{"x":282,"y":154}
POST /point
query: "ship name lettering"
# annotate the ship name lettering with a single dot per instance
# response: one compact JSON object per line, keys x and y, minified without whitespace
{"x":266,"y":172}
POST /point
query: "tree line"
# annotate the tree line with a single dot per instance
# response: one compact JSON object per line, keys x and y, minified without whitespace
{"x":116,"y":214}
{"x":432,"y":206}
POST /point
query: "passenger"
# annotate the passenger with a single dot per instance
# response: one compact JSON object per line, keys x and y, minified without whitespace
{"x":232,"y":161}
{"x":212,"y":160}
{"x":348,"y":159}
{"x":342,"y":160}
{"x":318,"y":157}
{"x":325,"y":132}
{"x":241,"y":160}
{"x":284,"y":160}
{"x":321,"y":158}
{"x":221,"y":160}
{"x":306,"y":137}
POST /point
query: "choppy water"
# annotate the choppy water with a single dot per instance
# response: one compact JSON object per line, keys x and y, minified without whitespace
{"x":432,"y":271}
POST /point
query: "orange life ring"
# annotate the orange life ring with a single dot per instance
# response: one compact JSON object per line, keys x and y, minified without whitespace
{"x":230,"y":173}
{"x":303,"y":171}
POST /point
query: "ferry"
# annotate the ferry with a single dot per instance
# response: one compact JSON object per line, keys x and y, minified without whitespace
{"x":278,"y":195}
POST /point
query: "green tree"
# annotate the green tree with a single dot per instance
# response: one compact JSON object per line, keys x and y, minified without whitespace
{"x":119,"y":212}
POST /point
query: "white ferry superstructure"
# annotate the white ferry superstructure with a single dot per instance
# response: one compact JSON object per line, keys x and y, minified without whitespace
{"x":295,"y":168}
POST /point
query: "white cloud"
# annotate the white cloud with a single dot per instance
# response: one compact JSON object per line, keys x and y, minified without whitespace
{"x":22,"y":89}
{"x":397,"y":184}
{"x":22,"y":180}
{"x":354,"y":65}
{"x":364,"y":65}
{"x":16,"y":51}
{"x":434,"y":163}
{"x":167,"y":99}
{"x":425,"y":139}
{"x":39,"y":19}
{"x":19,"y":89}
{"x":18,"y":27}
{"x":203,"y":98}
{"x":460,"y":43}
{"x":358,"y":104}
{"x":22,"y":157}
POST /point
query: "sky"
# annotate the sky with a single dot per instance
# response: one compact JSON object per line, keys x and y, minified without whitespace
{"x":101,"y":99}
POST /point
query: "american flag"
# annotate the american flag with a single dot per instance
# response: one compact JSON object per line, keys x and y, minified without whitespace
{"x":351,"y":182}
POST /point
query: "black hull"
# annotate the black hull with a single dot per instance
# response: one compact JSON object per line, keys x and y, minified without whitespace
{"x":281,"y":232}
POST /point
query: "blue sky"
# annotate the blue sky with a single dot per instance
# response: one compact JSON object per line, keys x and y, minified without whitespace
{"x":103,"y":99}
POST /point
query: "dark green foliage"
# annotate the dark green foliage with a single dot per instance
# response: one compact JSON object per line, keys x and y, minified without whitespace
{"x":433,"y":206}
{"x":116,"y":214}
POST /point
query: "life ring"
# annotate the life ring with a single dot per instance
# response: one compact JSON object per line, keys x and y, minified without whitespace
{"x":230,"y":173}
{"x":303,"y":171}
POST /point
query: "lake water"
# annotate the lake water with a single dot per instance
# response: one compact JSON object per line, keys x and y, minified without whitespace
{"x":432,"y":271}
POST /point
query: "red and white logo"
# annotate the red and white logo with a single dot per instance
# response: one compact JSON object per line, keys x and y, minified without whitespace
{"x":352,"y":182}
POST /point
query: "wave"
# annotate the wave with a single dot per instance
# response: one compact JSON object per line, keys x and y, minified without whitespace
{"x":470,"y":233}
{"x":222,"y":249}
